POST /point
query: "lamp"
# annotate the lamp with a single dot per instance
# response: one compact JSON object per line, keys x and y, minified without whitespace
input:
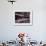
{"x":12,"y":1}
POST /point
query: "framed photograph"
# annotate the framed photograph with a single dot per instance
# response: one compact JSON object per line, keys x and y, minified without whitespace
{"x":23,"y":18}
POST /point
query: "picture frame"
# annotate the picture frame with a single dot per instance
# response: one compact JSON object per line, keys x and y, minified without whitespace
{"x":23,"y":18}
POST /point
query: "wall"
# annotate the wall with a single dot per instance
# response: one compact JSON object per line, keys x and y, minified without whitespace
{"x":9,"y":31}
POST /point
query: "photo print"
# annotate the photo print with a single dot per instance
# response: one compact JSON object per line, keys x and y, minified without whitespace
{"x":23,"y":18}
